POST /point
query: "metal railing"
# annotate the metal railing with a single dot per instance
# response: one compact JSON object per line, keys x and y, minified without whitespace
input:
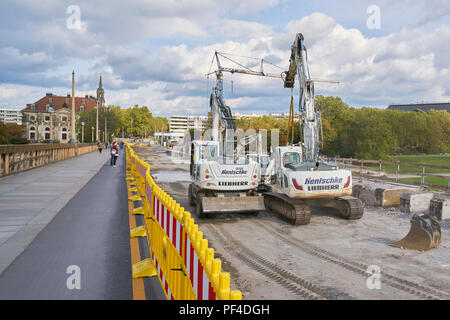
{"x":374,"y":168}
{"x":17,"y":158}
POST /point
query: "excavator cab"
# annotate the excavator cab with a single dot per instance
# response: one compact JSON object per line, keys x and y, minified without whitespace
{"x":291,"y":158}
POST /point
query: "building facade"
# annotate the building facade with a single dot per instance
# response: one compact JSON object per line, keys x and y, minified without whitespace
{"x":11,"y":116}
{"x":237,"y":115}
{"x":49,"y":118}
{"x":180,"y":124}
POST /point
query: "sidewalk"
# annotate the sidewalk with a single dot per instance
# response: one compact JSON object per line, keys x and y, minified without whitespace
{"x":89,"y":233}
{"x":31,"y":199}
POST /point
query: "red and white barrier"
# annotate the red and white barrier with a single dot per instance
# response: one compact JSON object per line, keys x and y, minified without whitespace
{"x":172,"y":227}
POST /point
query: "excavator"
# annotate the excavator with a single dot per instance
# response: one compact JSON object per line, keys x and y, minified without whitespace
{"x":221,"y":181}
{"x":309,"y":182}
{"x":301,"y":180}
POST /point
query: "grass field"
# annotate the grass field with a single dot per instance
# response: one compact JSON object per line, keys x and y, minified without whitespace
{"x":432,"y":159}
{"x":429,"y":180}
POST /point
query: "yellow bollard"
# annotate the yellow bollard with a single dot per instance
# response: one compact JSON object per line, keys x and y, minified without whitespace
{"x":198,"y":239}
{"x":236,"y":295}
{"x":202,"y":252}
{"x":181,"y":213}
{"x":224,"y":286}
{"x":186,"y":220}
{"x":194,"y":230}
{"x":216,"y":269}
{"x":209,"y":257}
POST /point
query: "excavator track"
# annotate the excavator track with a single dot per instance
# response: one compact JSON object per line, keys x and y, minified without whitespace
{"x":354,"y":208}
{"x":297,"y":211}
{"x":349,"y":207}
{"x":294,"y":210}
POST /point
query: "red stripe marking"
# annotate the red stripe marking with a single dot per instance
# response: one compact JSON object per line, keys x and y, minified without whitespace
{"x":212,"y":294}
{"x":191,"y":249}
{"x":174,"y":231}
{"x":163,"y":217}
{"x":200,"y":281}
{"x":185,"y":249}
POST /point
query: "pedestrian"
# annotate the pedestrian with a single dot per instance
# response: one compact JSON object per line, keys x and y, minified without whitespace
{"x":99,"y":146}
{"x":114,"y":153}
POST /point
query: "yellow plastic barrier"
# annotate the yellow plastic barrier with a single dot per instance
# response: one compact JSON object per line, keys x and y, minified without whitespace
{"x":184,"y":263}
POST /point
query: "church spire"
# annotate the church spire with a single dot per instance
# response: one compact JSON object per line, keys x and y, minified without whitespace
{"x":100,"y":93}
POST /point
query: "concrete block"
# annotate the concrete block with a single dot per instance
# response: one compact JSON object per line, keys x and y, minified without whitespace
{"x":440,"y":207}
{"x":380,"y":194}
{"x":415,"y":201}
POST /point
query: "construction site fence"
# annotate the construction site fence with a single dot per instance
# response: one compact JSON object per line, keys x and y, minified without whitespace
{"x":17,"y":158}
{"x":184,"y":262}
{"x":374,"y":168}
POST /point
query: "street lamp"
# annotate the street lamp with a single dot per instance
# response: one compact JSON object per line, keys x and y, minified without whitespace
{"x":82,"y":131}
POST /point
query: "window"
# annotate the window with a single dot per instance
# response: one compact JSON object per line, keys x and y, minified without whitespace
{"x":32,"y":133}
{"x":64,"y":118}
{"x":47,"y":118}
{"x":208,"y":152}
{"x":64,"y":136}
{"x":82,"y":108}
{"x":47,"y":136}
{"x":47,"y":129}
{"x":291,"y":158}
{"x":64,"y":129}
{"x":32,"y":118}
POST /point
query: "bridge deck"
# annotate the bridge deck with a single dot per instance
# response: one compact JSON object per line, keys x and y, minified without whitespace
{"x":71,"y":213}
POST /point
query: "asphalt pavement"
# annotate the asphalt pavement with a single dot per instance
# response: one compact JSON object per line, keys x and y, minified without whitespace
{"x":84,"y":251}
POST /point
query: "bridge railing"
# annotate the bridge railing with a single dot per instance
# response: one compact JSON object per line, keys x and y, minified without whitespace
{"x":16,"y":158}
{"x":183,"y":261}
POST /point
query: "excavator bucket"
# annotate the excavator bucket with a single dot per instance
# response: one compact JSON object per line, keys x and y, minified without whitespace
{"x":425,"y":233}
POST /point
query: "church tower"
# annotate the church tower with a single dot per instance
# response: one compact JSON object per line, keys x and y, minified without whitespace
{"x":100,"y":93}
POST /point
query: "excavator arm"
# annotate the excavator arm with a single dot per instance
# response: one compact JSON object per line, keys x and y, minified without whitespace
{"x":298,"y":65}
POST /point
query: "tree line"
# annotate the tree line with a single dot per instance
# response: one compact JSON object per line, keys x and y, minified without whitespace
{"x":367,"y":133}
{"x":132,"y":122}
{"x":11,"y":133}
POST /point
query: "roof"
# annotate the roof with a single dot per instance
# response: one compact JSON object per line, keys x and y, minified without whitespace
{"x":59,"y":102}
{"x":420,"y":107}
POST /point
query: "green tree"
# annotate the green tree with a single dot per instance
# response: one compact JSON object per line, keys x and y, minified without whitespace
{"x":11,"y":133}
{"x":370,"y":137}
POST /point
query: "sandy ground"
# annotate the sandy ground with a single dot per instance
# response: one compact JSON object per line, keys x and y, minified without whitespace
{"x":331,"y":258}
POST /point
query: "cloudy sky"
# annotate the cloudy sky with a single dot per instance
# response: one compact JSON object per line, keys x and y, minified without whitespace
{"x":156,"y":53}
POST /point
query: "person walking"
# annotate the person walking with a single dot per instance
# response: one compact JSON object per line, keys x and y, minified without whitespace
{"x":114,"y":153}
{"x":99,"y":146}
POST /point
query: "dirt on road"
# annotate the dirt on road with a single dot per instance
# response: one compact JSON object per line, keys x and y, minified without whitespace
{"x":330,"y":258}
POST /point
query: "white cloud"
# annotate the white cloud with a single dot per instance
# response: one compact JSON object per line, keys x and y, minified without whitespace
{"x":6,"y":93}
{"x":157,"y":53}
